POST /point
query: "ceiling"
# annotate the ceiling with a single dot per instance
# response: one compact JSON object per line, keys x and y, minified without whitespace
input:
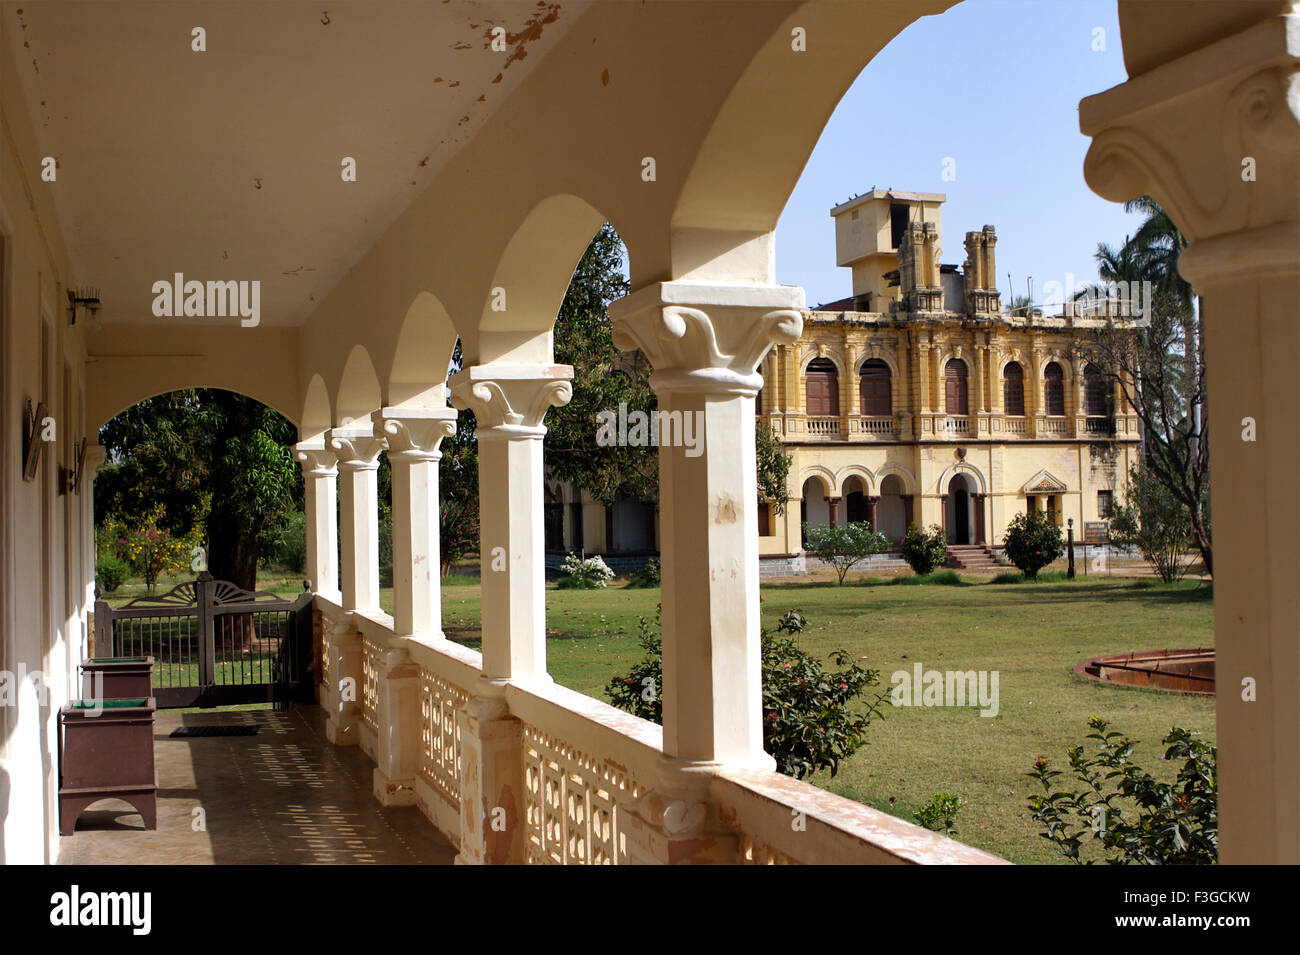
{"x":226,"y":164}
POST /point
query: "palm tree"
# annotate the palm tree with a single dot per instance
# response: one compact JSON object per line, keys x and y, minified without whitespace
{"x":1161,"y":368}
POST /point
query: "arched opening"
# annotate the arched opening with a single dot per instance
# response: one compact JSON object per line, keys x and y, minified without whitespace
{"x":815,"y":507}
{"x":960,"y":510}
{"x":891,"y":509}
{"x":822,"y":388}
{"x":1013,"y":389}
{"x":874,"y":381}
{"x":1053,"y":390}
{"x":954,"y":387}
{"x":855,"y":501}
{"x":1098,"y":403}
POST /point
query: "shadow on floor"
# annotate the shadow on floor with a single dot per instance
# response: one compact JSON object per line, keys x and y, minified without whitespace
{"x":282,"y":796}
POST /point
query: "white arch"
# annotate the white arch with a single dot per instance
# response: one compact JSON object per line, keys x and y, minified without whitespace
{"x":961,"y":467}
{"x":854,"y":470}
{"x":900,"y":472}
{"x":823,"y":474}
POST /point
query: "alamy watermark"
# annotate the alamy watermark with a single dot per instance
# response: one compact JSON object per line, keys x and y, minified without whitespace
{"x":197,"y":299}
{"x":1131,"y":300}
{"x":640,"y":429}
{"x":10,"y":682}
{"x":922,"y":687}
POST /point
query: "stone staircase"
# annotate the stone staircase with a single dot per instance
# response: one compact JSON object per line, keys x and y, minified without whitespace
{"x":974,"y":557}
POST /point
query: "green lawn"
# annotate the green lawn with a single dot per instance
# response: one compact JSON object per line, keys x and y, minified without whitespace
{"x":1032,"y":634}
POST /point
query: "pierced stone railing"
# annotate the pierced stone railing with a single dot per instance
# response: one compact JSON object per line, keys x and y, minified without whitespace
{"x":594,"y":785}
{"x":1053,"y":425}
{"x":882,"y":425}
{"x":371,"y":673}
{"x":1015,"y":424}
{"x":823,"y":426}
{"x":956,"y":426}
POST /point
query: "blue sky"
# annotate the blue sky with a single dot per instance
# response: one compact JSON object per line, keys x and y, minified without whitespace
{"x":1000,"y":97}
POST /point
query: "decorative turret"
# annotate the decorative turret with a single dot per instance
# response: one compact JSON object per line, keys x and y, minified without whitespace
{"x":979,"y":274}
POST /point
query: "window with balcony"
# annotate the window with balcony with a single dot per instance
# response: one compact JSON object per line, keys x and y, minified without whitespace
{"x":1053,"y":389}
{"x":874,"y":385}
{"x":822,"y":388}
{"x":1013,"y":389}
{"x":954,"y":385}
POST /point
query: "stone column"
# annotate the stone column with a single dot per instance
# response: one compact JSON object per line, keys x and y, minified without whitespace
{"x":704,"y":342}
{"x":978,"y":500}
{"x":833,"y":505}
{"x":320,"y":503}
{"x":1238,"y":204}
{"x":413,"y":436}
{"x":509,"y":402}
{"x":358,"y":460}
{"x":871,"y":511}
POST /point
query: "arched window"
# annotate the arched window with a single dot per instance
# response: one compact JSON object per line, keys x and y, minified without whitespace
{"x":954,"y":384}
{"x":1096,"y":402}
{"x":1013,"y":389}
{"x":875,"y":388}
{"x":822,"y":384}
{"x":1053,"y":389}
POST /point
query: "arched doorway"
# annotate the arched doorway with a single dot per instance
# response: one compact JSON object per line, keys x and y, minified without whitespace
{"x":855,"y":501}
{"x":891,"y":510}
{"x":815,"y":509}
{"x":960,"y":510}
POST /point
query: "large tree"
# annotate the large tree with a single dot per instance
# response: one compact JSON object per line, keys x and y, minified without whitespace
{"x":1160,"y":367}
{"x":207,"y":456}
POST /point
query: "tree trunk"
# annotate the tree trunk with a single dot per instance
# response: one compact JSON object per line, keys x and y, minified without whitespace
{"x":232,"y":556}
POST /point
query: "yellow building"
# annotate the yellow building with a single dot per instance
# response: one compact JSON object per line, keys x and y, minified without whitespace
{"x":920,"y":400}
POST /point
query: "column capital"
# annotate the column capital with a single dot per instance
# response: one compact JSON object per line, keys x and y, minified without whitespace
{"x":93,"y":458}
{"x":356,"y":446}
{"x":512,"y":399}
{"x":414,"y":434}
{"x":1236,"y":196}
{"x":708,"y":338}
{"x":316,"y":460}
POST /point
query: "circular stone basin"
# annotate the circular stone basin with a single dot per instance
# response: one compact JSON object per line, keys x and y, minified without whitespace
{"x":1183,"y":671}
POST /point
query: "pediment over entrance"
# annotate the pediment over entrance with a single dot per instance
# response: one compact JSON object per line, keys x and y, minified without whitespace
{"x":1044,"y":482}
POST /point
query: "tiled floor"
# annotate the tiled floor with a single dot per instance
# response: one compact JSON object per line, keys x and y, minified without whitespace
{"x":282,"y":796}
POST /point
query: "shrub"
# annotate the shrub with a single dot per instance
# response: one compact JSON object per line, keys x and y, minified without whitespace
{"x":647,"y":576}
{"x":1170,"y":823}
{"x":111,"y":572}
{"x":584,"y":574}
{"x":813,"y":717}
{"x":1032,"y":541}
{"x":842,"y":547}
{"x":940,"y":813}
{"x":1155,"y":522}
{"x":924,"y":550}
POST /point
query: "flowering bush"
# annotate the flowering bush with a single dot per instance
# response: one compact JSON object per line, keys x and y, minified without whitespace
{"x":150,"y":550}
{"x":584,"y":574}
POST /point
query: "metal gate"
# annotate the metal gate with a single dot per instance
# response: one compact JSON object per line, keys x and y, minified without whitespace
{"x":214,"y":644}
